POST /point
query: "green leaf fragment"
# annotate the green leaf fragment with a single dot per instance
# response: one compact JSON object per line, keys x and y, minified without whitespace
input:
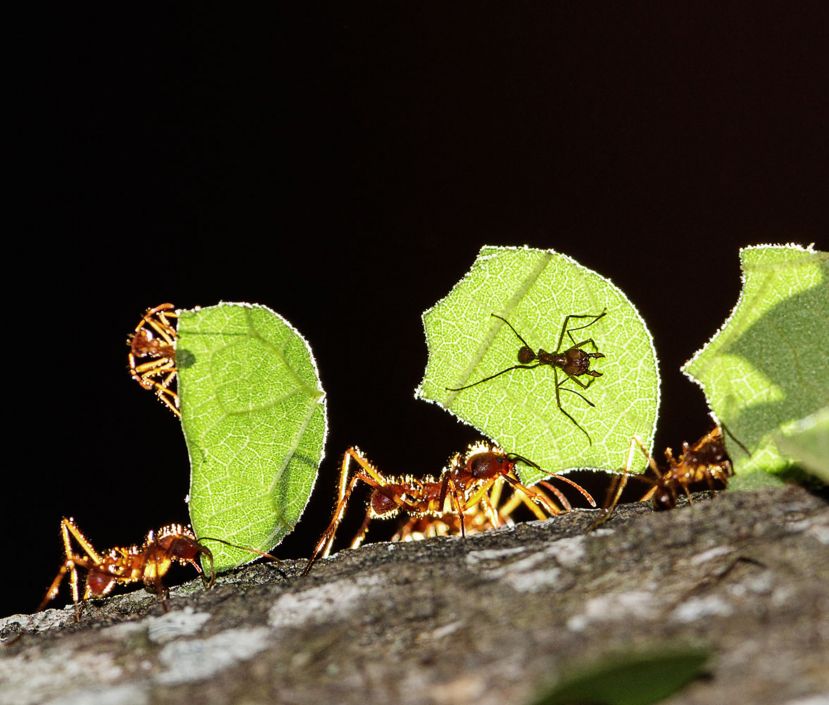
{"x":630,"y":679}
{"x":254,"y":418}
{"x":768,"y":365}
{"x":535,"y":290}
{"x":807,"y":442}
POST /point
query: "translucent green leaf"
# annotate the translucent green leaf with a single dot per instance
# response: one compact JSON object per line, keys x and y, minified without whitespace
{"x":630,"y":679}
{"x":535,"y":290}
{"x":253,"y":413}
{"x":768,"y":365}
{"x":807,"y":441}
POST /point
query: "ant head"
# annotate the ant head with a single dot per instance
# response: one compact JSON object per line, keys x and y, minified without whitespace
{"x":99,"y":583}
{"x":664,"y":499}
{"x":485,"y":461}
{"x":525,"y":355}
{"x":486,"y":465}
{"x":138,"y":340}
{"x":382,"y":505}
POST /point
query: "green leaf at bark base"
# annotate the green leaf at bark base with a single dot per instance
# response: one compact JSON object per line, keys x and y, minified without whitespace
{"x":535,"y":290}
{"x":638,"y":678}
{"x":807,"y":442}
{"x":768,"y":365}
{"x":253,"y":414}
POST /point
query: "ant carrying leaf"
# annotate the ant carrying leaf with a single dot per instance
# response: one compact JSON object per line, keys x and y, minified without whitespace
{"x":573,"y":362}
{"x":148,"y":563}
{"x":706,"y":461}
{"x":154,"y":340}
{"x":465,"y":483}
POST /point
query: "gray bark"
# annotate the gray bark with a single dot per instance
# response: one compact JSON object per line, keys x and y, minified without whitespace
{"x":485,"y":620}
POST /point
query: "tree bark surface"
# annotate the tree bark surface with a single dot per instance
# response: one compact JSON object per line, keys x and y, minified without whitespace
{"x":485,"y":620}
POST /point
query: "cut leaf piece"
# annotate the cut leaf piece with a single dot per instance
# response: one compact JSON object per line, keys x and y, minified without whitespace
{"x":768,"y":364}
{"x":639,"y":678}
{"x":807,"y":441}
{"x":535,"y":290}
{"x":254,"y":418}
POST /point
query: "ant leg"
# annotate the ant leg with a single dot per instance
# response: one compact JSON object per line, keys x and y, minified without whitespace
{"x":535,"y":495}
{"x":585,"y":342}
{"x":369,"y":475}
{"x":561,"y":408}
{"x":497,"y":374}
{"x":566,"y":329}
{"x":532,"y":506}
{"x":360,"y":536}
{"x":323,"y":546}
{"x":169,"y":398}
{"x":562,"y":500}
{"x":489,"y":507}
{"x":614,"y":493}
{"x":563,"y":478}
{"x":493,"y":499}
{"x":164,"y":330}
{"x":54,"y":588}
{"x":460,"y":507}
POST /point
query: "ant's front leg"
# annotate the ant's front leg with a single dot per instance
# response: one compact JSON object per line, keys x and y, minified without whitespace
{"x":581,"y":344}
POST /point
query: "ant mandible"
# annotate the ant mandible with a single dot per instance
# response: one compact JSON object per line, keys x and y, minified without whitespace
{"x":706,"y":460}
{"x":155,"y":338}
{"x":148,"y":563}
{"x":463,"y":484}
{"x":573,"y":362}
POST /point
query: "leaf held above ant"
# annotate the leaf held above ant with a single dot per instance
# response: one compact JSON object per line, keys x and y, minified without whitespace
{"x":254,"y":418}
{"x":767,"y":366}
{"x":504,"y":357}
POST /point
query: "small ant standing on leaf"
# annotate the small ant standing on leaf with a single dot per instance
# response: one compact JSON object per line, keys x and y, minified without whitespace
{"x":463,"y":484}
{"x":148,"y":563}
{"x":572,"y":362}
{"x":155,"y":338}
{"x":706,"y":460}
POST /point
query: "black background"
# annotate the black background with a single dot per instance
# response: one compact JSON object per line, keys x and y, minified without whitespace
{"x":344,"y":167}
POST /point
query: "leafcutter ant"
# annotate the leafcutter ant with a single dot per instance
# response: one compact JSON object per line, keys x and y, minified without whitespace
{"x":154,"y":339}
{"x":148,"y":563}
{"x":572,"y":362}
{"x":464,"y":484}
{"x":476,"y":519}
{"x":705,"y":461}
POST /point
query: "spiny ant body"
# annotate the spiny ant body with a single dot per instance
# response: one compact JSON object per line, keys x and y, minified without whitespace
{"x":148,"y":563}
{"x":465,"y":483}
{"x":706,"y":461}
{"x":574,"y":362}
{"x":154,"y":340}
{"x":476,"y":519}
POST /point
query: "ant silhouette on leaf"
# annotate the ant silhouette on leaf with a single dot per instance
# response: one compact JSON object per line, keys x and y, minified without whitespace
{"x":573,"y":362}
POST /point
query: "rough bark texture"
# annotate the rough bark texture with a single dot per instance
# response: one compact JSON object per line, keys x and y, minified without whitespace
{"x":489,"y":619}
